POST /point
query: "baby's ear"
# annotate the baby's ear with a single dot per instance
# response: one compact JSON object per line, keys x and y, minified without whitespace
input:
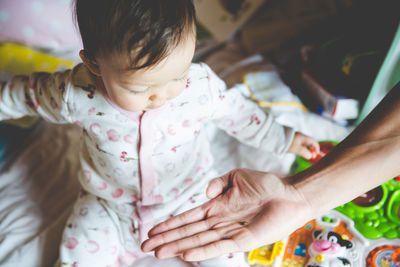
{"x":90,"y":63}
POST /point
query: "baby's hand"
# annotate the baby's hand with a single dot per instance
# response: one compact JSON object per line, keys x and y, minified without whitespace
{"x":304,"y":146}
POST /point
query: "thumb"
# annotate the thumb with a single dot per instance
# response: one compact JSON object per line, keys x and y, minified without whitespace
{"x":217,"y":186}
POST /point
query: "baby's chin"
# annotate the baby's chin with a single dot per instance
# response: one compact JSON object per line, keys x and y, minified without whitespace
{"x":152,"y":107}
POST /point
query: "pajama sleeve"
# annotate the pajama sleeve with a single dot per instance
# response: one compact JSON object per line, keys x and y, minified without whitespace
{"x":244,"y":120}
{"x":41,"y":93}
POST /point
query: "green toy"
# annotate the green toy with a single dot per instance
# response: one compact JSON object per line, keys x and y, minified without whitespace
{"x":376,"y":214}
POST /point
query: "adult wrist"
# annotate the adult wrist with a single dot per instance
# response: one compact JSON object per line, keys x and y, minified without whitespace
{"x":310,"y":189}
{"x":303,"y":200}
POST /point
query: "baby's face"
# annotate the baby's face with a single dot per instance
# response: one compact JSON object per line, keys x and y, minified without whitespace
{"x":148,"y":88}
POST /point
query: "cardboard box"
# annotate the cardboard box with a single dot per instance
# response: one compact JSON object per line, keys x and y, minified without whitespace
{"x":219,"y":20}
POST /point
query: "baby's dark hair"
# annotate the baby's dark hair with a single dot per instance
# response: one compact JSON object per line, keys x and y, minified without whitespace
{"x":144,"y":31}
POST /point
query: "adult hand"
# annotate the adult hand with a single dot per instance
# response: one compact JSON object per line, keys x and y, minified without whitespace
{"x":248,"y":209}
{"x":274,"y":207}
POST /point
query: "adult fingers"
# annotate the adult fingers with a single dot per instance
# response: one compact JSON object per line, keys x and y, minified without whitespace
{"x":187,"y":217}
{"x":211,"y":250}
{"x":179,"y":233}
{"x":177,"y":247}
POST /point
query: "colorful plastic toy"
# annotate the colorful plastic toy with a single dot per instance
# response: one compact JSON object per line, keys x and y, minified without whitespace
{"x":266,"y":255}
{"x":362,"y":233}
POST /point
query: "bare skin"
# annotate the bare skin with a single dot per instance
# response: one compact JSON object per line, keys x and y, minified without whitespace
{"x":249,"y":209}
{"x":304,"y":145}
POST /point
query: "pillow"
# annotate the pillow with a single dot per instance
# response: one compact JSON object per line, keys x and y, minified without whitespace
{"x":46,"y":24}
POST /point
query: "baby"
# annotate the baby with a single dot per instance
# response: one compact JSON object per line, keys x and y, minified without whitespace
{"x":142,"y":105}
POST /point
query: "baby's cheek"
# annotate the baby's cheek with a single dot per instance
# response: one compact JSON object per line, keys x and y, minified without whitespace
{"x":132,"y":102}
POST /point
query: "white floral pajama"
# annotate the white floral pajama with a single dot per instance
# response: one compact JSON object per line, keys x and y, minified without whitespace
{"x":138,"y":168}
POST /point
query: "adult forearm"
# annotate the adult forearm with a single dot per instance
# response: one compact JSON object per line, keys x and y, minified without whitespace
{"x":368,"y":157}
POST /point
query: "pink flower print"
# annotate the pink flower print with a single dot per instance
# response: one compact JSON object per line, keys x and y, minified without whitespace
{"x":91,"y":111}
{"x":222,"y":97}
{"x":159,"y":199}
{"x":186,"y":124}
{"x":106,"y":230}
{"x":88,"y":176}
{"x":117,"y":193}
{"x":229,"y":123}
{"x":188,"y":82}
{"x":175,"y":191}
{"x":71,"y":243}
{"x":254,"y":118}
{"x":198,"y":169}
{"x":78,"y":123}
{"x":175,"y":148}
{"x":113,"y":135}
{"x":230,"y":256}
{"x":191,"y":199}
{"x":95,"y":128}
{"x":123,"y":156}
{"x":171,"y":130}
{"x":241,"y":108}
{"x":128,"y":138}
{"x":92,"y":247}
{"x":195,"y":133}
{"x":74,"y":264}
{"x":102,"y":187}
{"x":187,"y":181}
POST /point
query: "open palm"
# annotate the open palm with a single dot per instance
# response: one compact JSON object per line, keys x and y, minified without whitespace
{"x":247,"y":209}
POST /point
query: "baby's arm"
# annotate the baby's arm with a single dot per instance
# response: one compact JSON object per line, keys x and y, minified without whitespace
{"x":248,"y":123}
{"x":41,"y":94}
